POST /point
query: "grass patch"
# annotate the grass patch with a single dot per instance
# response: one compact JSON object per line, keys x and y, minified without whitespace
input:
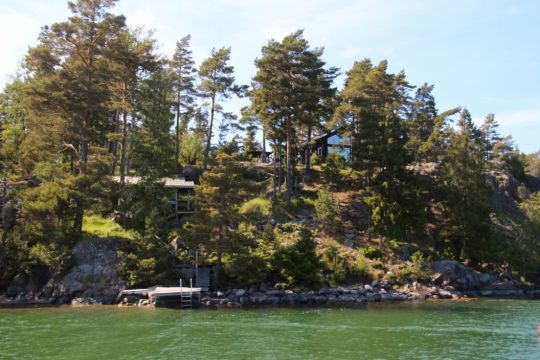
{"x":98,"y":226}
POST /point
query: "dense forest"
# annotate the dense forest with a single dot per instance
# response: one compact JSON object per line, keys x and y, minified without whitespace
{"x":94,"y":99}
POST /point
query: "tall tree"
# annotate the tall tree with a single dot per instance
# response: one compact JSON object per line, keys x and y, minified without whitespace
{"x":465,"y":205}
{"x":491,"y":136}
{"x":132,"y":56}
{"x":421,"y":120}
{"x":289,"y":88}
{"x":183,"y":74}
{"x":72,"y":72}
{"x":13,"y":114}
{"x":153,"y":148}
{"x":373,"y":106}
{"x":69,"y":87}
{"x":221,"y":193}
{"x":217,"y":83}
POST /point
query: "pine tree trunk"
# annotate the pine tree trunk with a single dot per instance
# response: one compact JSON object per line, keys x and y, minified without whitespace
{"x":115,"y":144}
{"x":288,"y":178}
{"x":123,"y":151}
{"x":209,"y":136}
{"x":177,"y":144}
{"x":263,"y":155}
{"x":308,"y":152}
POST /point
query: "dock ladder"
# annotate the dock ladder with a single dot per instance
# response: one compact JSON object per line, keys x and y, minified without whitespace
{"x":186,"y":298}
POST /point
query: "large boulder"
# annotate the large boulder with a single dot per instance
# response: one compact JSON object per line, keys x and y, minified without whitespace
{"x":455,"y":274}
{"x":94,"y":273}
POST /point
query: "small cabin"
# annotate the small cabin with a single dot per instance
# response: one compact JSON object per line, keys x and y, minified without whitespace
{"x":258,"y":154}
{"x":324,"y":144}
{"x":182,"y":202}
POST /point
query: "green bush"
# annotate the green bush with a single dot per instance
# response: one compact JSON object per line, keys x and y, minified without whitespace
{"x":417,"y":271}
{"x":371,"y":252}
{"x":361,"y":270}
{"x":336,"y":267}
{"x":327,"y":212}
{"x":258,"y":209}
{"x":331,"y":170}
{"x":246,"y":269}
{"x":315,"y":159}
{"x":298,"y":264}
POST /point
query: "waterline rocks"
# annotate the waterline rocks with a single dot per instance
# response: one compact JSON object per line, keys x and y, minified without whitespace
{"x":325,"y":296}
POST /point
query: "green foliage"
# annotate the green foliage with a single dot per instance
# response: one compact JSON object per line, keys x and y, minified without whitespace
{"x":331,"y":170}
{"x":258,"y":209}
{"x":298,"y":264}
{"x":533,"y":164}
{"x":220,"y":196}
{"x":327,"y":212}
{"x":335,"y":266}
{"x":147,"y":259}
{"x":13,"y":113}
{"x":192,"y":149}
{"x":466,"y":208}
{"x":370,"y":252}
{"x":291,"y":90}
{"x":417,"y":271}
{"x":99,"y":226}
{"x":315,"y":159}
{"x":361,"y":270}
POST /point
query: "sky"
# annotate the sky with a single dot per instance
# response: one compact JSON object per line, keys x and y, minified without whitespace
{"x":483,"y":55}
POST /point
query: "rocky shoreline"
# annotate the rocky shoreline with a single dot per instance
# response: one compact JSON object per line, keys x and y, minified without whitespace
{"x":94,"y":280}
{"x":263,"y":296}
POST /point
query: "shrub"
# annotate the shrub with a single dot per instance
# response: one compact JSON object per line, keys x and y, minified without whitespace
{"x":361,"y":270}
{"x":371,"y":252}
{"x":327,"y":212}
{"x":258,"y":209}
{"x":331,"y":170}
{"x":417,"y":271}
{"x":246,"y":269}
{"x":298,"y":264}
{"x":315,"y":159}
{"x":335,"y":266}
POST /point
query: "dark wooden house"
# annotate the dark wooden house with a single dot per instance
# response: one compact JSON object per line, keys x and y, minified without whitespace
{"x":324,"y":144}
{"x":182,"y":201}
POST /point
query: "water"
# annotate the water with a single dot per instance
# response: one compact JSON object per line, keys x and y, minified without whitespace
{"x":478,"y":329}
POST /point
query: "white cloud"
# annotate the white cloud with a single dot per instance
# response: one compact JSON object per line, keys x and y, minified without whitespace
{"x":520,"y":117}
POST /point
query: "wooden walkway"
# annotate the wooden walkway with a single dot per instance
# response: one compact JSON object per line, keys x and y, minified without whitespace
{"x":184,"y":296}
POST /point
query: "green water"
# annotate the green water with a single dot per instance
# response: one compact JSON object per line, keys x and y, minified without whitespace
{"x":486,"y":329}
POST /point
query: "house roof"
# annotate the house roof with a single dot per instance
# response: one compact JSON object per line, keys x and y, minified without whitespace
{"x":168,"y":182}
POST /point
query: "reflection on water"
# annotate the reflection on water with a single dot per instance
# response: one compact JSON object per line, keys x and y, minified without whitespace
{"x":486,"y":329}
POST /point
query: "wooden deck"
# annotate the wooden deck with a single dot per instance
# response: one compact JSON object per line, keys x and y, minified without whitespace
{"x":158,"y":295}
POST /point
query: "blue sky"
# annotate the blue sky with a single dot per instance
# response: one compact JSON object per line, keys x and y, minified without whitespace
{"x":484,"y":55}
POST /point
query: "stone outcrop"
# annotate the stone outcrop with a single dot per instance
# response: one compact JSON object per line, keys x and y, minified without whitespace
{"x":92,"y":279}
{"x":93,"y":275}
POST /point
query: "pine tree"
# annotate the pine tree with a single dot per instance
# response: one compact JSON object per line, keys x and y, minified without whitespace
{"x":13,"y":115}
{"x":491,"y":137}
{"x":373,"y":103}
{"x":289,"y":88}
{"x":153,"y":145}
{"x":71,"y":72}
{"x":68,"y":94}
{"x":132,"y":57}
{"x":465,"y":205}
{"x":421,"y":120}
{"x":183,"y":74}
{"x":217,"y":83}
{"x":219,"y":196}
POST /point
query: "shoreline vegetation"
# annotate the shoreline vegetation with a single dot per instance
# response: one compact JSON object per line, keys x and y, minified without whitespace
{"x":121,"y":169}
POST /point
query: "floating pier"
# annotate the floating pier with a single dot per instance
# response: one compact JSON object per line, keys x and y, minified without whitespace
{"x":179,"y":296}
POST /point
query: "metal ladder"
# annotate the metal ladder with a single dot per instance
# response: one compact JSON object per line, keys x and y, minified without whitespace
{"x":186,"y":299}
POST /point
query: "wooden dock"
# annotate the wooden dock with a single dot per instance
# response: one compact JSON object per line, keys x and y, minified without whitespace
{"x":185,"y":297}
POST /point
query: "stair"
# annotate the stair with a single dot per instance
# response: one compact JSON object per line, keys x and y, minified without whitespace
{"x":186,"y":298}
